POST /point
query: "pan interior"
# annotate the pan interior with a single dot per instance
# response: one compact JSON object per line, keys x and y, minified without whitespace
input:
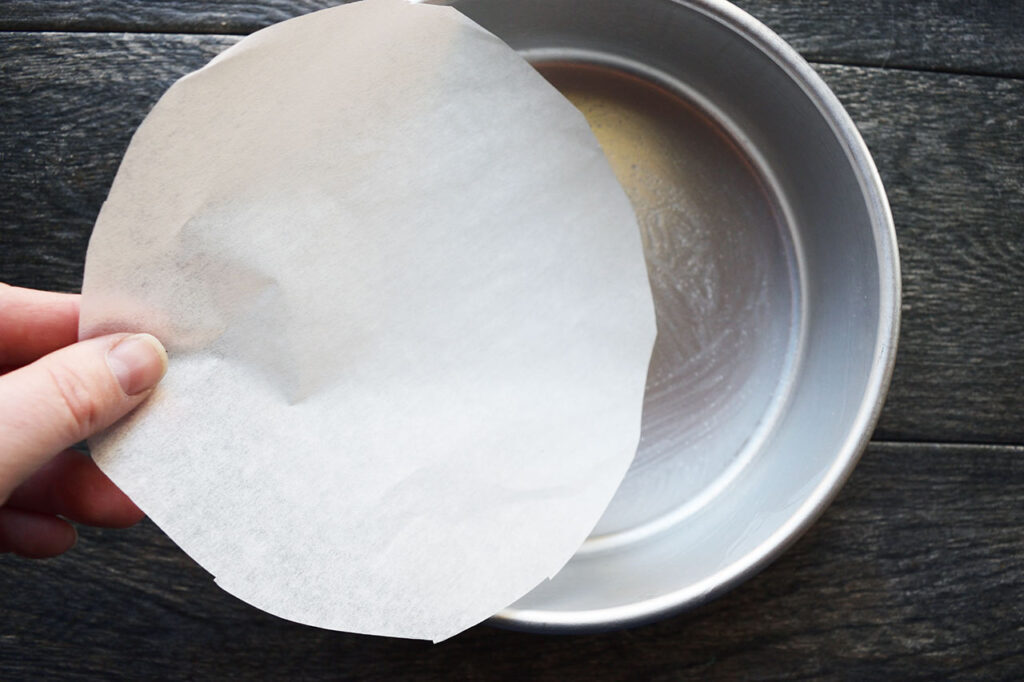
{"x":723,"y":270}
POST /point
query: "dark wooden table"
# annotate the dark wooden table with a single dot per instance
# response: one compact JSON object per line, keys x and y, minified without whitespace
{"x":917,"y":570}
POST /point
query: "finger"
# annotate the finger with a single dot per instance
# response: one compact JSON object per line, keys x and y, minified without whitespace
{"x":36,"y":536}
{"x":34,"y":323}
{"x":71,"y":485}
{"x":68,"y":395}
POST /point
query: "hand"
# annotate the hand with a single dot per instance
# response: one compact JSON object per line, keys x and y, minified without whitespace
{"x":54,"y":392}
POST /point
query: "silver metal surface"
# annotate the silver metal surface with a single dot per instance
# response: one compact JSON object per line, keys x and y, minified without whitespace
{"x":775,"y":272}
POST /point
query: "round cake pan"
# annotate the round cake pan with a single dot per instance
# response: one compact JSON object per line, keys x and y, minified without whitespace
{"x":775,"y":272}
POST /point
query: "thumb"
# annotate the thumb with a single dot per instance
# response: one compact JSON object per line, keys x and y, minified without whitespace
{"x":70,"y":394}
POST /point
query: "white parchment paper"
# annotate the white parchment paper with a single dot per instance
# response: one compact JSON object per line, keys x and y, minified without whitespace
{"x":407,"y":315}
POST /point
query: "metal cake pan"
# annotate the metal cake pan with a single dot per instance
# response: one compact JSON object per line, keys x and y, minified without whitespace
{"x":775,"y":273}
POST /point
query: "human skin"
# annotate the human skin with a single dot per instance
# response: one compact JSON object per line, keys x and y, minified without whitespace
{"x":56,"y":391}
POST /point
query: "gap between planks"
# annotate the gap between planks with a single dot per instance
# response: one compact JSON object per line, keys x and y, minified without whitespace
{"x":171,"y":32}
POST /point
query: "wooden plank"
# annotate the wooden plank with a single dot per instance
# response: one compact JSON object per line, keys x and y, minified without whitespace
{"x":979,"y":37}
{"x":946,"y":35}
{"x":950,"y":149}
{"x":913,"y":573}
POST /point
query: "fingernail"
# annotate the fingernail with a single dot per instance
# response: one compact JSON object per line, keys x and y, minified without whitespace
{"x":138,"y":361}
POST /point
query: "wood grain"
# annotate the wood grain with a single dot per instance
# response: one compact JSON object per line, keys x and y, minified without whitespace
{"x":944,"y":35}
{"x":68,"y":108}
{"x":977,"y":37}
{"x":950,"y":149}
{"x":913,"y":573}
